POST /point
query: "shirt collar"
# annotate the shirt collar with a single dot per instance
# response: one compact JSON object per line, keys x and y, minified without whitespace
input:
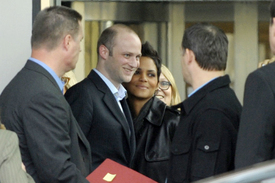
{"x":58,"y":80}
{"x":201,"y":87}
{"x":119,"y":93}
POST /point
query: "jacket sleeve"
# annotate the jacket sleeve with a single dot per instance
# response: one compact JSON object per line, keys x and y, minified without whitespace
{"x":256,"y":133}
{"x":48,"y":139}
{"x":10,"y":160}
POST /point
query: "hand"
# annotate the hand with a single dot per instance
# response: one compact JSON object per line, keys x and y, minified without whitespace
{"x":23,"y":167}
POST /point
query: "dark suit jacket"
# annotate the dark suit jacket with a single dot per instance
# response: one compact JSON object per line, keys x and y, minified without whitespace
{"x":205,"y":139}
{"x":52,"y":145}
{"x":102,"y":121}
{"x":256,"y":138}
{"x":10,"y":160}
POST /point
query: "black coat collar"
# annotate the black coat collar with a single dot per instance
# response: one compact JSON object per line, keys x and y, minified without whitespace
{"x":190,"y":102}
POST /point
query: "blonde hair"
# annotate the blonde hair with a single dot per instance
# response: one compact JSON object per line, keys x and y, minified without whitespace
{"x":175,"y":93}
{"x":2,"y":126}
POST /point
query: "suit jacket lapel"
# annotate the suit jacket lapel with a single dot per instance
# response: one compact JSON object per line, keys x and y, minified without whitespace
{"x":112,"y":104}
{"x":128,"y":116}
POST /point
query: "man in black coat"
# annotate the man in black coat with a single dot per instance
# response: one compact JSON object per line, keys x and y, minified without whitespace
{"x":52,"y":145}
{"x":256,"y":138}
{"x":205,"y":139}
{"x":98,"y":102}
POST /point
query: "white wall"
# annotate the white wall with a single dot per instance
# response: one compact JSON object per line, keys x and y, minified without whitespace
{"x":15,"y":33}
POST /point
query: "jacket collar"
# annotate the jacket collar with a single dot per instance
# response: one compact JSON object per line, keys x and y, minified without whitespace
{"x":111,"y":103}
{"x":38,"y":68}
{"x":156,"y":112}
{"x":189,"y":103}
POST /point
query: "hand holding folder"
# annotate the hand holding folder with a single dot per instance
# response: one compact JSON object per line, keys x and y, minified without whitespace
{"x":111,"y":171}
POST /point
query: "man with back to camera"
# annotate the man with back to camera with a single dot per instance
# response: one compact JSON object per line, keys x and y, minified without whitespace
{"x":204,"y":141}
{"x":256,"y":142}
{"x":98,"y":101}
{"x":53,"y":147}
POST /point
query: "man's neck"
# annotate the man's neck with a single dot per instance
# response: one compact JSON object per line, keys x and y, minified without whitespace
{"x":203,"y":77}
{"x":107,"y":75}
{"x":49,"y":58}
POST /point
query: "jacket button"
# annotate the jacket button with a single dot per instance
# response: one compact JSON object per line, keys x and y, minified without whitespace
{"x":206,"y":147}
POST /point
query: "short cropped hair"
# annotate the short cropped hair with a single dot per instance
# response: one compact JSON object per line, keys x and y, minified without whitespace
{"x":272,"y":10}
{"x":52,"y":24}
{"x":209,"y":44}
{"x":107,"y":37}
{"x":148,"y":51}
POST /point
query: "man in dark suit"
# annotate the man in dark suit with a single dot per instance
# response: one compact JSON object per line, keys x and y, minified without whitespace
{"x":52,"y":145}
{"x":205,"y":139}
{"x":98,"y":101}
{"x":256,"y":138}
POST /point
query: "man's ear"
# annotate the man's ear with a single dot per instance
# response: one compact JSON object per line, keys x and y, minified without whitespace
{"x":103,"y":52}
{"x":190,"y":56}
{"x":67,"y":41}
{"x":273,"y":26}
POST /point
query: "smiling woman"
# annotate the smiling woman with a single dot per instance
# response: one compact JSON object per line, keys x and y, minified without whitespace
{"x":154,"y":121}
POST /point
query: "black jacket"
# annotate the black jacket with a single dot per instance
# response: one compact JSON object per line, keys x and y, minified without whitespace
{"x":154,"y":128}
{"x":256,"y":138}
{"x":205,"y":140}
{"x":107,"y":129}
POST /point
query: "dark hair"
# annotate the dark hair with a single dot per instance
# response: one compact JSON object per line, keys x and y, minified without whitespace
{"x":148,"y":51}
{"x":272,"y":10}
{"x":52,"y":24}
{"x":107,"y":37}
{"x":209,"y":44}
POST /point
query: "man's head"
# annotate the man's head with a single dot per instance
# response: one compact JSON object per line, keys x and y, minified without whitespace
{"x":56,"y":36}
{"x":52,"y":24}
{"x":204,"y":49}
{"x":272,"y":26}
{"x":209,"y":45}
{"x":119,"y":50}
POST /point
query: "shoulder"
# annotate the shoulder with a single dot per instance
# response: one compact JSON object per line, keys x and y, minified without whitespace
{"x":85,"y":87}
{"x":262,"y":77}
{"x":173,"y":110}
{"x":223,"y":97}
{"x":265,"y":71}
{"x":222,"y":103}
{"x":6,"y":134}
{"x":8,"y":138}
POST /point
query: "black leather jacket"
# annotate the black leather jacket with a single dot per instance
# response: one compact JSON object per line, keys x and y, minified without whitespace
{"x":154,"y":129}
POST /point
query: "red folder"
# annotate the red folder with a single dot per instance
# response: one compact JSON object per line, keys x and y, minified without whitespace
{"x":118,"y":174}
